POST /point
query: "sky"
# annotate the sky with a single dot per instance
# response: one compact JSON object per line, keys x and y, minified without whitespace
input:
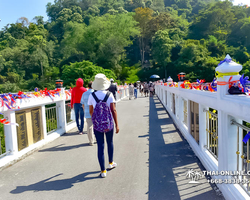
{"x":236,"y":2}
{"x":11,"y":10}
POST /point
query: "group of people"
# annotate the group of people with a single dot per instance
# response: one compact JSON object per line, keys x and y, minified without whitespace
{"x":144,"y":88}
{"x":98,"y":106}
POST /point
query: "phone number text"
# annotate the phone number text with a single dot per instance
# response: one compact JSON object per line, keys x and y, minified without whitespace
{"x":228,"y":181}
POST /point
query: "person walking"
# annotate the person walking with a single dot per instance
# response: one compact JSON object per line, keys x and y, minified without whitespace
{"x":141,"y":89}
{"x":113,"y":88}
{"x":146,"y":89}
{"x":151,"y":88}
{"x":135,"y":90}
{"x":131,"y":91}
{"x":76,"y":96}
{"x":103,"y":112}
{"x":85,"y":106}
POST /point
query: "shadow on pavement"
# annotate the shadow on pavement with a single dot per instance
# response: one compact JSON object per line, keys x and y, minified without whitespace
{"x":60,"y":147}
{"x":47,"y":185}
{"x":170,"y":157}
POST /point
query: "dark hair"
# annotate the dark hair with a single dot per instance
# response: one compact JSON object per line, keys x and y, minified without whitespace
{"x":90,"y":84}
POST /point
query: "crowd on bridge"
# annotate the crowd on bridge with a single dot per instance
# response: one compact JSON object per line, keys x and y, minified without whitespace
{"x":97,"y":105}
{"x":144,"y":88}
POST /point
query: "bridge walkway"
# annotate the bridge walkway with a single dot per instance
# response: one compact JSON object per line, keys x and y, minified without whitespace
{"x":152,"y":156}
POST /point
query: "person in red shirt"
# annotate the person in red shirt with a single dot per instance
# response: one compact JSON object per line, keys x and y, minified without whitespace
{"x":76,"y":96}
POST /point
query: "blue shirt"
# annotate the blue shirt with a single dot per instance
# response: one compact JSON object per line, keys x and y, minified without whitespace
{"x":84,"y":100}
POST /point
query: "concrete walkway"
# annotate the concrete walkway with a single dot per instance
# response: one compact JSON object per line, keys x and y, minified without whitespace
{"x":152,"y":157}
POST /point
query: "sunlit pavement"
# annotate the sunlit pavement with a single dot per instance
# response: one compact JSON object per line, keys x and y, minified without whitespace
{"x":152,"y":156}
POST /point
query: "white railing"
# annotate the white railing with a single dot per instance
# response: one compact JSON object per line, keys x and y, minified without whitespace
{"x":40,"y":120}
{"x":219,"y":151}
{"x":212,"y":132}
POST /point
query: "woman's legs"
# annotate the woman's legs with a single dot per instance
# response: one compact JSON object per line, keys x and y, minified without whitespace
{"x":109,"y":139}
{"x":100,"y":148}
{"x":100,"y":143}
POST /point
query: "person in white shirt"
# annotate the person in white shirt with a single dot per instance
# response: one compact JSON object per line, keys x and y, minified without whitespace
{"x":100,"y":85}
{"x":85,"y":106}
{"x":141,"y":89}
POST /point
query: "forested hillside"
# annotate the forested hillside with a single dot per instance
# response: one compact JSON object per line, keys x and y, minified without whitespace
{"x":126,"y":39}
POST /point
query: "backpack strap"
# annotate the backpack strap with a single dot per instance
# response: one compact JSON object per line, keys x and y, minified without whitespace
{"x":95,"y":97}
{"x":106,"y":97}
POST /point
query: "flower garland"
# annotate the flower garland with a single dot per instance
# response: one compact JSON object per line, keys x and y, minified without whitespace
{"x":173,"y":84}
{"x":8,"y":100}
{"x":243,"y":84}
{"x":200,"y":85}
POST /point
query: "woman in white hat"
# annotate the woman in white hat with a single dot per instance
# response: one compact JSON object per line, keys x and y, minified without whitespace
{"x":95,"y":102}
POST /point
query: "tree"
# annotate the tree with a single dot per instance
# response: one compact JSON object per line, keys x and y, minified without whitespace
{"x":24,"y":21}
{"x":217,"y":48}
{"x":188,"y":35}
{"x":157,"y":5}
{"x":92,"y":11}
{"x":57,"y":27}
{"x":194,"y":60}
{"x":38,"y":20}
{"x":215,"y":20}
{"x":86,"y":4}
{"x":161,"y":48}
{"x":132,"y":75}
{"x":166,"y":46}
{"x":53,"y":10}
{"x":143,"y":16}
{"x":18,"y":31}
{"x":239,"y":35}
{"x":239,"y":53}
{"x":74,"y":32}
{"x":85,"y":70}
{"x":106,"y":37}
{"x":38,"y":50}
{"x":160,"y":22}
{"x":246,"y":69}
{"x":131,"y":5}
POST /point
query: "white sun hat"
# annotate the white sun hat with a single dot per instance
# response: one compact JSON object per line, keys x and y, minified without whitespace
{"x":101,"y":82}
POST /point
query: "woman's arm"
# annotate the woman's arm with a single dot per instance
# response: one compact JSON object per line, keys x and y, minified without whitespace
{"x":114,"y":113}
{"x":91,"y":110}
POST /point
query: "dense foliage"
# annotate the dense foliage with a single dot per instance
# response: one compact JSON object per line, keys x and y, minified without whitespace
{"x":127,"y":40}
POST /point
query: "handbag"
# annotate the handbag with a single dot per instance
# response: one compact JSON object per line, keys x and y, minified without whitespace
{"x":235,"y":90}
{"x":72,"y":115}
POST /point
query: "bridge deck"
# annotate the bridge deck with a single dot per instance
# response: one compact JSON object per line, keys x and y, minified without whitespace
{"x":152,"y":156}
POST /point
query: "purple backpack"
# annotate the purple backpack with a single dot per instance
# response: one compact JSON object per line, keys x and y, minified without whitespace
{"x":102,"y":118}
